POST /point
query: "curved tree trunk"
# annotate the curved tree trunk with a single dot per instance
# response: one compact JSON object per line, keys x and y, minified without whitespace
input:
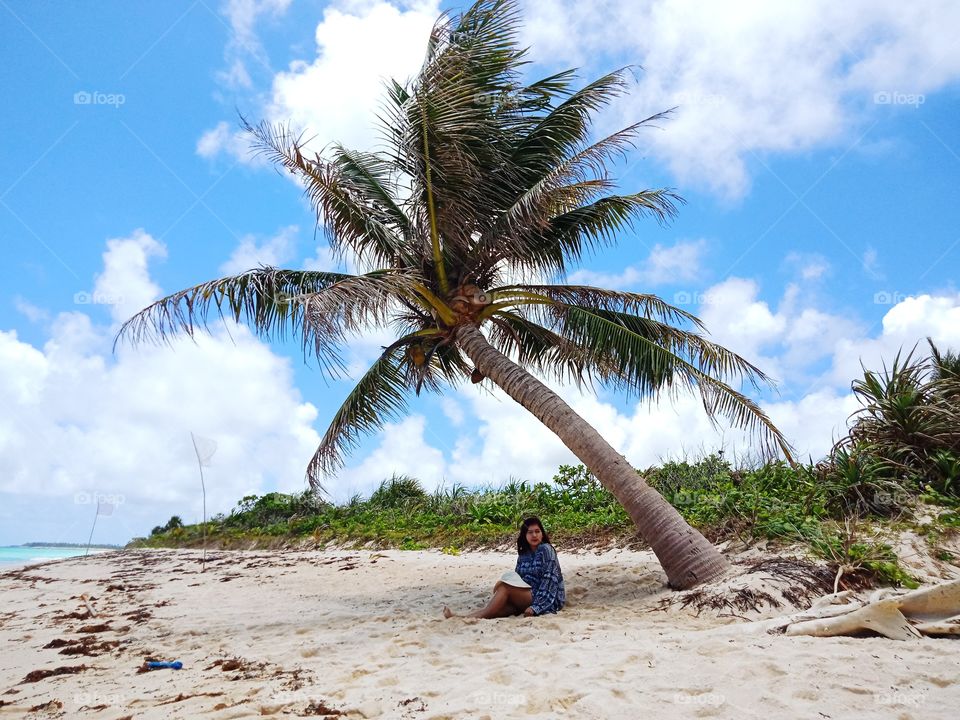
{"x":687,"y":556}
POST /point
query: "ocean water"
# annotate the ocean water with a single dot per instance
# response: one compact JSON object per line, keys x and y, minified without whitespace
{"x":19,"y":556}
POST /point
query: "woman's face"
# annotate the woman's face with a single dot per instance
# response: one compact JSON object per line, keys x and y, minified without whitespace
{"x":534,"y":536}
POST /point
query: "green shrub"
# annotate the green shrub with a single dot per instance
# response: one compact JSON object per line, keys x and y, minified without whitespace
{"x":400,"y":491}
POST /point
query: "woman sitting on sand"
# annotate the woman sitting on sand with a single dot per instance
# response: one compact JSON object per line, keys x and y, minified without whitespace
{"x":536,"y":587}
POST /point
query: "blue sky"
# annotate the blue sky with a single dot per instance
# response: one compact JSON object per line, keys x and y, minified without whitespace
{"x":817,"y":149}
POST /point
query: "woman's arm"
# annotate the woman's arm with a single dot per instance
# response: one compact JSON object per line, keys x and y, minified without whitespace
{"x":547,"y":589}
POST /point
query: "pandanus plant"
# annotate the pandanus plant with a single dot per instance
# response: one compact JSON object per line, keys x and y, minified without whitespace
{"x":485,"y":190}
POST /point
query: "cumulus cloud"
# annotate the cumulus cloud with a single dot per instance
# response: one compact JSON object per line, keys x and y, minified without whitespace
{"x":809,"y":266}
{"x":502,"y":441}
{"x":903,"y":326}
{"x":79,"y":422}
{"x":274,"y":251}
{"x":336,"y":95}
{"x":125,"y":284}
{"x":401,"y":450}
{"x":792,"y":341}
{"x":244,"y":43}
{"x":752,"y":78}
{"x":226,"y":138}
{"x":681,"y":262}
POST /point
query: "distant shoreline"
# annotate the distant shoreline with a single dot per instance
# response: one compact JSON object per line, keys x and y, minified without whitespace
{"x":67,"y":545}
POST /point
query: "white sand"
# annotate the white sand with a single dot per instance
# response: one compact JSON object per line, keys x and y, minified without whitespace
{"x":361,"y":633}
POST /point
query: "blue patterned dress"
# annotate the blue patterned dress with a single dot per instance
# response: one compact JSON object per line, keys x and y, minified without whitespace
{"x":541,"y":571}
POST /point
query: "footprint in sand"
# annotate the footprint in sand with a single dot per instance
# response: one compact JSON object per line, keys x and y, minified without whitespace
{"x":562,"y":704}
{"x":775,"y":669}
{"x":500,"y":678}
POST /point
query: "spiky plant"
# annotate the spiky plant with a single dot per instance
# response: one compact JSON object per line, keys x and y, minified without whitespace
{"x":908,"y":426}
{"x":486,"y":188}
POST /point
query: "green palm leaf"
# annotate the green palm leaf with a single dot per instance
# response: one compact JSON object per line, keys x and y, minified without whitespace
{"x":378,"y":397}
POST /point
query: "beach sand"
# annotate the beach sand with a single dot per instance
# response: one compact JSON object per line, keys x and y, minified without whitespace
{"x":359,"y":634}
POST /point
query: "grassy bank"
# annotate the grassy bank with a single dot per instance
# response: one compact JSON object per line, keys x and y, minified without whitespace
{"x":838,"y":518}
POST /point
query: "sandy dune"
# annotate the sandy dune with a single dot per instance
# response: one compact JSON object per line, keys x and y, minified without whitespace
{"x":359,"y":634}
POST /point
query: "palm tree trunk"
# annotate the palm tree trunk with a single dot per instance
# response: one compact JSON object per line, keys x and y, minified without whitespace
{"x":687,"y":556}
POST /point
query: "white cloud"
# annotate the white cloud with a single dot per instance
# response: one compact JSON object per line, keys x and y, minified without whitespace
{"x":681,"y":262}
{"x":752,"y":78}
{"x":402,"y":450}
{"x":244,"y":42}
{"x":275,"y":251}
{"x":506,"y":442}
{"x":125,"y":284}
{"x":810,"y":266}
{"x":30,"y":311}
{"x":871,"y":264}
{"x":79,"y":420}
{"x":228,"y":139}
{"x":335,"y":96}
{"x":453,"y":411}
{"x":325,"y":261}
{"x":907,"y":323}
{"x":737,"y":319}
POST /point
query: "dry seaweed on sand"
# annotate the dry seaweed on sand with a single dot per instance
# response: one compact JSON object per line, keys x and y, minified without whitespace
{"x":38,"y":675}
{"x":770,"y":583}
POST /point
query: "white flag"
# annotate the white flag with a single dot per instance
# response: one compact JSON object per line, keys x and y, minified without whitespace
{"x":105,"y":508}
{"x":205,"y":448}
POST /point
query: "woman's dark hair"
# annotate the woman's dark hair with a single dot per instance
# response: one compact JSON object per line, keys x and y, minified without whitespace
{"x":522,"y":545}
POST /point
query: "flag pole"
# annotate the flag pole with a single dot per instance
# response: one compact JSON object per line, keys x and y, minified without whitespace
{"x":90,"y":539}
{"x":203,"y":562}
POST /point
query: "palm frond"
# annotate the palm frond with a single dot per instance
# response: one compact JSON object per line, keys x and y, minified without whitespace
{"x":351,"y":195}
{"x":647,"y":357}
{"x":566,"y":127}
{"x":643,"y":304}
{"x":568,"y":237}
{"x":541,"y":350}
{"x":318,"y":308}
{"x":378,"y":397}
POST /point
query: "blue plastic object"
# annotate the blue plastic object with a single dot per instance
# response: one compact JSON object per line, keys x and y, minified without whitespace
{"x":161,"y":665}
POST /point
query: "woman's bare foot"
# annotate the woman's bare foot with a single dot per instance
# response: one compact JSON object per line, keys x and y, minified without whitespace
{"x":447,"y":613}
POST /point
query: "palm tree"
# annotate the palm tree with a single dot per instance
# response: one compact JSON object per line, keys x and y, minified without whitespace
{"x":485,"y":189}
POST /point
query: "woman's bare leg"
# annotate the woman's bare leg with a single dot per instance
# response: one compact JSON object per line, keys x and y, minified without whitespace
{"x":506,"y":601}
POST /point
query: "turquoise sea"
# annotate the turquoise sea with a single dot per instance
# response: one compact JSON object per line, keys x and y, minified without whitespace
{"x":18,"y":556}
